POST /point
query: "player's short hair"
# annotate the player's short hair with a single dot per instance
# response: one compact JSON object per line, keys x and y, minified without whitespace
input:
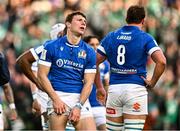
{"x":70,"y":16}
{"x":88,"y":38}
{"x":135,"y":14}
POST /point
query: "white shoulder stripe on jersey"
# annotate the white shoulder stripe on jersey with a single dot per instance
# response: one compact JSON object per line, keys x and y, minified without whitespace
{"x":44,"y":63}
{"x":90,"y":71}
{"x":153,"y":49}
{"x":101,"y":49}
{"x":39,"y":49}
{"x":36,"y":57}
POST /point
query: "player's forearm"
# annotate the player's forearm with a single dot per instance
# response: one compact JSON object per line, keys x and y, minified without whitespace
{"x":85,"y":93}
{"x":158,"y":70}
{"x":98,"y":81}
{"x":87,"y":88}
{"x":8,"y":93}
{"x":26,"y":69}
{"x":106,"y":84}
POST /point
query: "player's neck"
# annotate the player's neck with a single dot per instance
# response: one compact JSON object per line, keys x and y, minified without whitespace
{"x":73,"y":39}
{"x":137,"y":25}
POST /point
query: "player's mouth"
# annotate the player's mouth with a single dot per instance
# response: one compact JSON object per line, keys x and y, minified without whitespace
{"x":82,"y":28}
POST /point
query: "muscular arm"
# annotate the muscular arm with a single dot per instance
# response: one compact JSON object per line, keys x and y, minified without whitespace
{"x":99,"y":60}
{"x":25,"y":61}
{"x":74,"y":115}
{"x":88,"y":82}
{"x":160,"y":60}
{"x":101,"y":93}
{"x":8,"y":93}
{"x":10,"y":98}
{"x":59,"y":106}
{"x":43,"y":79}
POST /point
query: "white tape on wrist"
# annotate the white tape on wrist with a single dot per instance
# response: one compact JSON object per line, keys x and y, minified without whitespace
{"x":12,"y":106}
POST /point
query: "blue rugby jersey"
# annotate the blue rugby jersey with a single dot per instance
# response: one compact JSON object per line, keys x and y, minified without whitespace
{"x":68,"y":63}
{"x":127,"y":50}
{"x":104,"y":70}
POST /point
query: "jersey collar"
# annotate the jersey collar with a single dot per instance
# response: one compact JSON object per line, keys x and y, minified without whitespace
{"x":69,"y":44}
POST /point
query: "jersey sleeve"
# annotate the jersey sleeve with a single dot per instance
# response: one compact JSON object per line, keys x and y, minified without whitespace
{"x":46,"y":54}
{"x":152,"y":45}
{"x":104,"y":45}
{"x":91,"y":62}
{"x":36,"y":51}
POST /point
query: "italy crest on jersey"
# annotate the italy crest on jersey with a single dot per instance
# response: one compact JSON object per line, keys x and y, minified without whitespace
{"x":82,"y":54}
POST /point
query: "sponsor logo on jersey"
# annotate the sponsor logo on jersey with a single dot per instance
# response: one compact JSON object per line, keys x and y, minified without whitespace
{"x":123,"y":71}
{"x":69,"y":64}
{"x":136,"y":107}
{"x":59,"y":62}
{"x":82,"y":54}
{"x":110,"y":110}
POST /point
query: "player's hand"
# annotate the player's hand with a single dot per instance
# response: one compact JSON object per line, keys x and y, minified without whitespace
{"x":149,"y":83}
{"x":74,"y":115}
{"x":36,"y":108}
{"x":59,"y":106}
{"x":101,"y":95}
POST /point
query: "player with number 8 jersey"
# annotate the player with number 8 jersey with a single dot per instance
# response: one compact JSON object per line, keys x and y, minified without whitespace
{"x":127,"y":50}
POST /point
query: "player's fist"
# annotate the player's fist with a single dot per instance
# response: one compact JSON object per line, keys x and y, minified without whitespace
{"x":101,"y":95}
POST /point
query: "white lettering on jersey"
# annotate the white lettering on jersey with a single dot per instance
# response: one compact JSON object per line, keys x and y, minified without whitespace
{"x":124,"y":37}
{"x":123,"y":71}
{"x":68,"y":63}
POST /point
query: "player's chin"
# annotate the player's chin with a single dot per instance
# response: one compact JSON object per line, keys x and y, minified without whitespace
{"x":81,"y":32}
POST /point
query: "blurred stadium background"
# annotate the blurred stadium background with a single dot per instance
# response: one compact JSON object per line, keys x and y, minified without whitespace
{"x":26,"y":23}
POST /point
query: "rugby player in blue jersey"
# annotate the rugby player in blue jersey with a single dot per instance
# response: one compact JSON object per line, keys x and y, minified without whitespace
{"x":127,"y":50}
{"x":99,"y":111}
{"x":66,"y":71}
{"x":28,"y":63}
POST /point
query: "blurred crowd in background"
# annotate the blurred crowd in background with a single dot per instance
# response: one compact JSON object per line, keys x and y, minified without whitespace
{"x":26,"y":23}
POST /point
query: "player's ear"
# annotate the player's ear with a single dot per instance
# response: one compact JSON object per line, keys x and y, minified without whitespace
{"x":142,"y":21}
{"x":68,"y":24}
